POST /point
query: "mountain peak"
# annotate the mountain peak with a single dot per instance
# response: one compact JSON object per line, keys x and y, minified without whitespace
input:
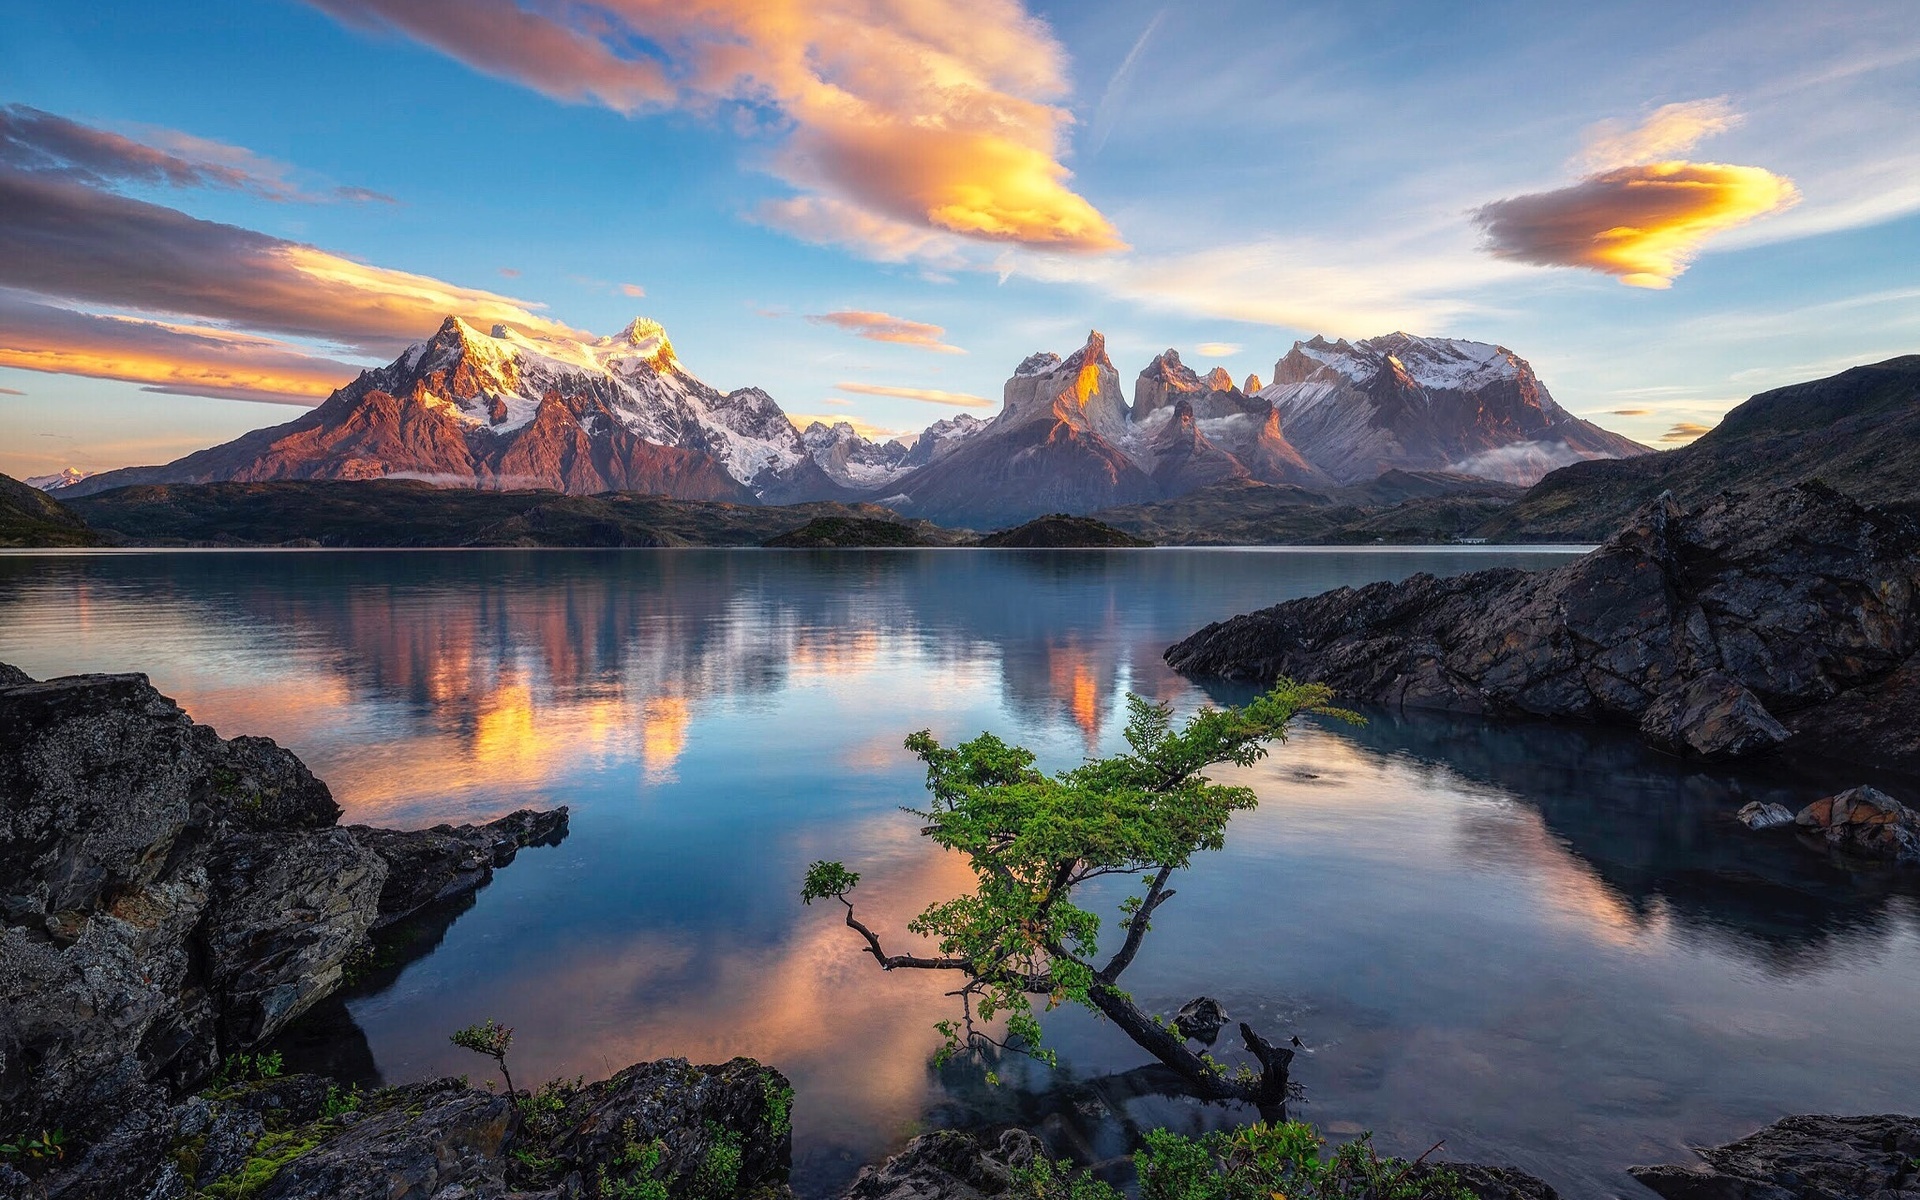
{"x":1219,"y":381}
{"x":1094,"y":353}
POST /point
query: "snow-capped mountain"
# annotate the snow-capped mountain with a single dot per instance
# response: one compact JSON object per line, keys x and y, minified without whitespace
{"x":53,"y":483}
{"x":504,"y":410}
{"x":1356,"y":409}
{"x":851,"y":459}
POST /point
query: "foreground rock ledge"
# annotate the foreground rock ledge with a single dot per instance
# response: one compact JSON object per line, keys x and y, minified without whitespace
{"x":1803,"y":1158}
{"x":1784,"y":619}
{"x":169,"y":897}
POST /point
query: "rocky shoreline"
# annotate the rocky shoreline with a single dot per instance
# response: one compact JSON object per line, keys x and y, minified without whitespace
{"x":1789,"y":619}
{"x":173,"y":900}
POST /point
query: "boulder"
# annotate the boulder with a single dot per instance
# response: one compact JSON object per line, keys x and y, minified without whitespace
{"x":1201,"y":1019}
{"x":1802,"y":1158}
{"x":1761,"y":814}
{"x":1863,"y":822}
{"x":1789,"y":618}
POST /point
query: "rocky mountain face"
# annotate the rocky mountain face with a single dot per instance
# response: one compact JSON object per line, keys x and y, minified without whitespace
{"x":1056,"y":446}
{"x":1790,"y":618}
{"x":1355,"y":409}
{"x":1858,"y":431}
{"x":1337,"y":414}
{"x":502,"y":410}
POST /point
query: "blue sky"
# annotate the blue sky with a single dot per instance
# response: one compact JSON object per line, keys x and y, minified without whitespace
{"x":1220,"y":178}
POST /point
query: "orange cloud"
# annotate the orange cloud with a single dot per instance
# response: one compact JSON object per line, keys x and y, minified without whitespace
{"x":928,"y":395}
{"x":881,"y":327}
{"x":178,"y":359}
{"x":1642,"y":214}
{"x":632,"y":290}
{"x":1219,"y":349}
{"x":1685,"y":431}
{"x":1644,"y":224}
{"x":937,"y":114}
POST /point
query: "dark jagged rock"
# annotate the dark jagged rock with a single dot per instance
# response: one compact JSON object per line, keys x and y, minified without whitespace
{"x":171,"y":898}
{"x":1802,"y":1158}
{"x":1060,"y":531}
{"x":1201,"y":1019}
{"x":427,"y":866}
{"x":722,"y":1130}
{"x":1721,"y":633}
{"x":947,"y":1165}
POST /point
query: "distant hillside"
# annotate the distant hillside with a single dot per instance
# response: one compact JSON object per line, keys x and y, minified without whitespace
{"x":407,"y":513}
{"x":1058,"y":531}
{"x":1859,"y":431}
{"x":863,"y":533}
{"x":1401,"y":507}
{"x":29,"y":518}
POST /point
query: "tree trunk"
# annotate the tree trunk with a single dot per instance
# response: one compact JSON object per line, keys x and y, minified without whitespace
{"x":1269,"y":1095}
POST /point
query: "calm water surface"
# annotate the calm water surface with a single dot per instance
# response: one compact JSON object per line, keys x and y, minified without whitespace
{"x":1543,"y":944}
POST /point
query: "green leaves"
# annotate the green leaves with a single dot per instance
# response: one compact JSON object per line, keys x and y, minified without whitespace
{"x":827,"y":879}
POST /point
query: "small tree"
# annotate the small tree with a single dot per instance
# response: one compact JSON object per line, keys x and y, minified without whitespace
{"x":1032,"y":839}
{"x":490,"y":1039}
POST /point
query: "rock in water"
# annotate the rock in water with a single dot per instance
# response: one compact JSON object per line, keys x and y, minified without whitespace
{"x":1201,"y":1019}
{"x":1791,"y":617}
{"x":1802,"y":1158}
{"x":1864,"y":822}
{"x":1760,"y":814}
{"x":947,"y":1165}
{"x":426,"y":866}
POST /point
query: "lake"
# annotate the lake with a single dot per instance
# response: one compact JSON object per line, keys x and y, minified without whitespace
{"x":1543,"y":944}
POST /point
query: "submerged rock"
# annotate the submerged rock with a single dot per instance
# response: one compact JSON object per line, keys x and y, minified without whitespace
{"x":1802,"y":1158}
{"x":1788,"y":618}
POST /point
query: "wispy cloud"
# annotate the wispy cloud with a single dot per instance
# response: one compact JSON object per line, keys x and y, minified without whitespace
{"x":1646,"y":215}
{"x":1107,"y":112}
{"x":32,"y":140}
{"x":1219,"y":349}
{"x":632,"y":291}
{"x":928,"y":395}
{"x":1629,"y":412}
{"x":7,"y":391}
{"x":941,"y":114}
{"x":883,"y":327}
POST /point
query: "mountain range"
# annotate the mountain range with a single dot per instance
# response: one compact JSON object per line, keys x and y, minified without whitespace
{"x":503,"y":410}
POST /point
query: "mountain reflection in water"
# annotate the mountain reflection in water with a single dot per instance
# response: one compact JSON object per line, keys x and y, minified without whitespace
{"x":1541,"y":942}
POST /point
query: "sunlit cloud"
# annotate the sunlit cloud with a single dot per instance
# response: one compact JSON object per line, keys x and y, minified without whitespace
{"x":171,"y":358}
{"x":632,"y":291}
{"x":940,"y":114}
{"x":1643,"y":218}
{"x":62,"y":239}
{"x":1629,"y":412}
{"x":883,"y":327}
{"x":1667,"y":133}
{"x":926,"y":395}
{"x":866,"y":429}
{"x":1685,"y":431}
{"x":33,"y":140}
{"x":1219,"y":349}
